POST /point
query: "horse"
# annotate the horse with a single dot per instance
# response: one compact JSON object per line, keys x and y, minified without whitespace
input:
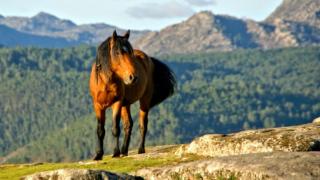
{"x":119,"y":77}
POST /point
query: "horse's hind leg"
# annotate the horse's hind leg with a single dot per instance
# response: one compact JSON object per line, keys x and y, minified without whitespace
{"x":127,"y":127}
{"x":100,"y":114}
{"x":116,"y":113}
{"x":143,"y":123}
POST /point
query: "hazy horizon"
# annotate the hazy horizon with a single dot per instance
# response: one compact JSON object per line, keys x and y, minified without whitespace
{"x":138,"y":14}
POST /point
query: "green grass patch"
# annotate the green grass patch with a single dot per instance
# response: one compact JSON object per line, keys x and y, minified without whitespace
{"x":123,"y":165}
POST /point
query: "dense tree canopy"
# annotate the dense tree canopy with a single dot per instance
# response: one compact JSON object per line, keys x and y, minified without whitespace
{"x":46,"y":112}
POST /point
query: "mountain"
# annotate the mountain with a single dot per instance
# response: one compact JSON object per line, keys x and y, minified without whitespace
{"x":294,"y":23}
{"x":11,"y":37}
{"x":40,"y":24}
{"x":49,"y":26}
{"x":306,"y":11}
{"x":207,"y":32}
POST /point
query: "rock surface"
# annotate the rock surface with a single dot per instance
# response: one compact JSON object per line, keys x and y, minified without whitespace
{"x":81,"y":174}
{"x":276,"y":165}
{"x":274,"y":153}
{"x":287,"y":139}
{"x":316,"y":120}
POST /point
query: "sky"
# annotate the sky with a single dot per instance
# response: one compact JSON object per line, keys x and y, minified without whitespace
{"x":137,"y":14}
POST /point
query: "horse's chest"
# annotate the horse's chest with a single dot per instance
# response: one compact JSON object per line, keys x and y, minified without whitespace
{"x":106,"y":99}
{"x":135,"y":92}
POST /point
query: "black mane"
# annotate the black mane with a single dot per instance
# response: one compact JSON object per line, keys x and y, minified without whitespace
{"x":103,"y":57}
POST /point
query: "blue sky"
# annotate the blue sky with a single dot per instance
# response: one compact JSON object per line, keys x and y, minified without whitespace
{"x":137,"y":14}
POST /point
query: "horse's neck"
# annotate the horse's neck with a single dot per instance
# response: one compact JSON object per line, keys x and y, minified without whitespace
{"x":110,"y":78}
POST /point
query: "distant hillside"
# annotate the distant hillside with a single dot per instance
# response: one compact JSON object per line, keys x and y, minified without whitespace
{"x":10,"y":38}
{"x":208,"y":32}
{"x":48,"y":26}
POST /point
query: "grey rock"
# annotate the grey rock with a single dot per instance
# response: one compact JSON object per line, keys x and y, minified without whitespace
{"x":79,"y":174}
{"x":276,"y":165}
{"x":316,"y":120}
{"x":287,"y":139}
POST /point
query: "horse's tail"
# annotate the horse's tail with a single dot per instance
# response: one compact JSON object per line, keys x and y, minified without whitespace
{"x":164,"y":82}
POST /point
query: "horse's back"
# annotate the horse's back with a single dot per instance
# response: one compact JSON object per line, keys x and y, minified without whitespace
{"x":144,"y":60}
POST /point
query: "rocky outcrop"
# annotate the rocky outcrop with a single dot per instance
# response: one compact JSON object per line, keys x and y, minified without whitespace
{"x":286,"y":139}
{"x":274,"y":153}
{"x":81,"y":174}
{"x":316,"y":120}
{"x":276,"y":165}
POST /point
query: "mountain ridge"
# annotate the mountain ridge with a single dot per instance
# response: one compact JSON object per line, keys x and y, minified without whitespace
{"x":225,"y":33}
{"x":49,"y":26}
{"x":294,"y":23}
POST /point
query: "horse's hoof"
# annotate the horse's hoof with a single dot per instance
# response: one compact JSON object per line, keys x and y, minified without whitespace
{"x":124,"y":154}
{"x":141,"y":151}
{"x":98,"y":157}
{"x":124,"y":151}
{"x":116,"y":153}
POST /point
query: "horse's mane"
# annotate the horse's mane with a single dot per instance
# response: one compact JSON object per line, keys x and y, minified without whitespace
{"x":103,"y":59}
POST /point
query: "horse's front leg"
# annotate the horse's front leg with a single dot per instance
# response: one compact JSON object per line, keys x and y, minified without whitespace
{"x":100,"y":114}
{"x":116,"y":114}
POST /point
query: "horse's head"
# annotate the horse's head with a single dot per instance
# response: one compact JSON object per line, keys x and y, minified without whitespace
{"x":117,"y":54}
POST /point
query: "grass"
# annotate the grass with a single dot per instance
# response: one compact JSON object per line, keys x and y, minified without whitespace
{"x":123,"y":165}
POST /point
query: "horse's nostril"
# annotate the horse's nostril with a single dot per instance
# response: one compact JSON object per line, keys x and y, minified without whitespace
{"x":133,"y":78}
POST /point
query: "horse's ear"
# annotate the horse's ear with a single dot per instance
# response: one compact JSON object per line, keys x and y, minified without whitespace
{"x":127,"y":35}
{"x":114,"y":35}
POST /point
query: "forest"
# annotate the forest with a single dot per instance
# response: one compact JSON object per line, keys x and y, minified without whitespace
{"x":46,"y":112}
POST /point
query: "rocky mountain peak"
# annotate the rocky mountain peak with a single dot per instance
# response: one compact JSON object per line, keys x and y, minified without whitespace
{"x":49,"y":22}
{"x":44,"y":15}
{"x":203,"y":16}
{"x":306,"y":11}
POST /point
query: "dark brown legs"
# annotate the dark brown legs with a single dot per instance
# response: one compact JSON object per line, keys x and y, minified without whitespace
{"x":127,"y":127}
{"x":100,"y":133}
{"x":116,"y":113}
{"x":143,"y":124}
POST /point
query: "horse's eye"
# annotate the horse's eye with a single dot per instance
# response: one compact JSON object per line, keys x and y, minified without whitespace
{"x":125,"y":49}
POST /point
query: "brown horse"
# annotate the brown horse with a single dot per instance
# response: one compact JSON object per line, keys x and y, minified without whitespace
{"x":121,"y":76}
